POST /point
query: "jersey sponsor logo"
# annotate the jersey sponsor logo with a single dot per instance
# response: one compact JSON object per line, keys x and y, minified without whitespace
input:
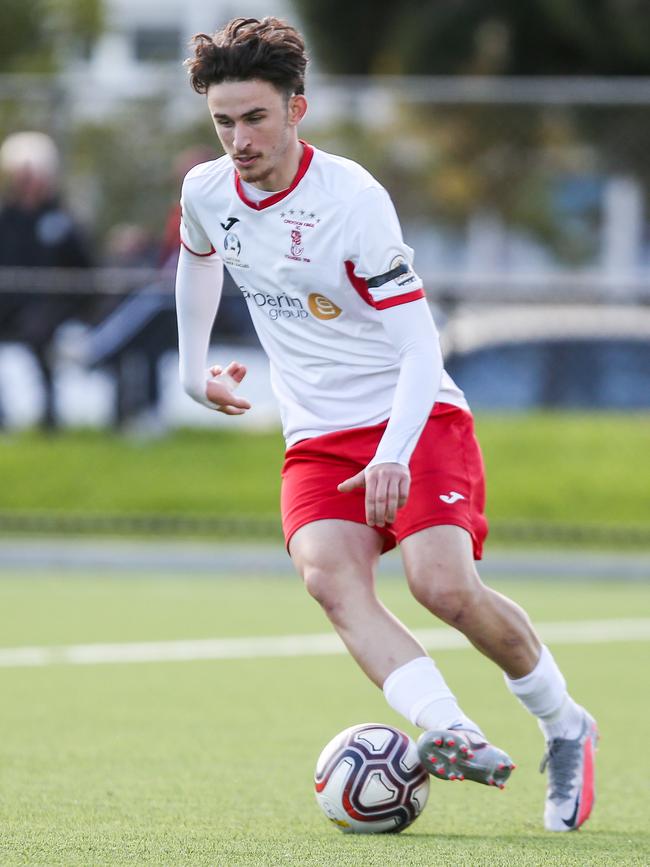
{"x":322,"y":307}
{"x":285,"y":306}
{"x":230,"y":222}
{"x":281,"y":306}
{"x":452,"y":497}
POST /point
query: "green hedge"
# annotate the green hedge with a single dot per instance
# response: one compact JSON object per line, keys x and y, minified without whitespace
{"x":562,"y":468}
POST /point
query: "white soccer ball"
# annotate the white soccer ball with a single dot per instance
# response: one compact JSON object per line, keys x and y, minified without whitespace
{"x":369,"y":780}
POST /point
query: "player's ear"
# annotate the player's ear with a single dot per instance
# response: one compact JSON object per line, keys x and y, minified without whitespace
{"x":297,"y":108}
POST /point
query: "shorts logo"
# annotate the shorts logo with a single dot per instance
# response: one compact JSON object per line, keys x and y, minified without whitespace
{"x":322,"y":307}
{"x":452,"y":497}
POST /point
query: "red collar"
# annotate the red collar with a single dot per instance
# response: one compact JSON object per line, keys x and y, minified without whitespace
{"x":274,"y":198}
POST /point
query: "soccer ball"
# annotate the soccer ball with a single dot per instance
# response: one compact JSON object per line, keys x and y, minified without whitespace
{"x":369,"y":780}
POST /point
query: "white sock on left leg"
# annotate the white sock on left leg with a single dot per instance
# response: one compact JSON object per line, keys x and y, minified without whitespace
{"x":543,"y":692}
{"x":419,"y":692}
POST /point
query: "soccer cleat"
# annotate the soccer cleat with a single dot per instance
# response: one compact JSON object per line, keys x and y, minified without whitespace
{"x":570,"y":794}
{"x":462,"y":754}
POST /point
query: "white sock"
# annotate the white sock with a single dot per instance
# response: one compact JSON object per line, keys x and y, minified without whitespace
{"x":418,"y":691}
{"x":543,"y":692}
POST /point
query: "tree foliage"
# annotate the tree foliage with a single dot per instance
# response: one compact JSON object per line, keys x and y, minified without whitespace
{"x":347,"y":36}
{"x":499,"y":37}
{"x":35,"y":35}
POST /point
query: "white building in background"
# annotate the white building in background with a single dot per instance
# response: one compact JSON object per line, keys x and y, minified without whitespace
{"x":144,"y":38}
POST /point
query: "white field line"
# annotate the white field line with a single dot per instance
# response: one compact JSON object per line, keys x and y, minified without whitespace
{"x":563,"y":632}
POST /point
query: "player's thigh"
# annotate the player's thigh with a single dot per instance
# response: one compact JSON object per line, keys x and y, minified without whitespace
{"x":439,"y":563}
{"x":447,"y":481}
{"x":331,"y":552}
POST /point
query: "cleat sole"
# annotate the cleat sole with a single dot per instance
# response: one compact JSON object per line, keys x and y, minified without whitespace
{"x":448,"y":759}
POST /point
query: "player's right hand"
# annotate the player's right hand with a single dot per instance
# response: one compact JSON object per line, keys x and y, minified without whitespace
{"x":387,"y":488}
{"x":220,"y":389}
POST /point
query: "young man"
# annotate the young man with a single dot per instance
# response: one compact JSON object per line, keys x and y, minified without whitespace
{"x":380,"y":442}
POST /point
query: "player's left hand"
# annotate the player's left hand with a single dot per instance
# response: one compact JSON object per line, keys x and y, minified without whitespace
{"x":220,"y":389}
{"x":387,"y":489}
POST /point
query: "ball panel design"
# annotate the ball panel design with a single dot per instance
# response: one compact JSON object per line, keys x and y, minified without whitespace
{"x":369,"y":780}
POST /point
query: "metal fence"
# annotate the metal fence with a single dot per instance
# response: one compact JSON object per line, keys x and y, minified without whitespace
{"x":489,"y":175}
{"x":525,"y":200}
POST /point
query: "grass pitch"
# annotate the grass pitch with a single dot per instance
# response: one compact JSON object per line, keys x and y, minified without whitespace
{"x":210,"y":763}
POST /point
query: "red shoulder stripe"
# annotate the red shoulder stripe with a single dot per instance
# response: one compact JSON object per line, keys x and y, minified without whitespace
{"x":361,"y":286}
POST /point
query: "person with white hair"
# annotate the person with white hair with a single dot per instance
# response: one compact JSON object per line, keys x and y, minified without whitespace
{"x":36,"y":231}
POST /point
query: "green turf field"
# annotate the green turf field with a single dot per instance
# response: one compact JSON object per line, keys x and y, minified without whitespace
{"x":562,"y":467}
{"x":210,"y":762}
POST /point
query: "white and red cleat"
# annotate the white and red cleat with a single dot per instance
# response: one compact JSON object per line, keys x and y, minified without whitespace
{"x":463,"y":754}
{"x":571,"y":780}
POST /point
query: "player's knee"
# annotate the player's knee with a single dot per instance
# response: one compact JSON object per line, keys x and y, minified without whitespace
{"x":327,"y":588}
{"x":446,"y":593}
{"x":338,"y":594}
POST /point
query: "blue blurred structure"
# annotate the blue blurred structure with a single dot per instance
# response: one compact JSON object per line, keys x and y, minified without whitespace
{"x":579,"y":374}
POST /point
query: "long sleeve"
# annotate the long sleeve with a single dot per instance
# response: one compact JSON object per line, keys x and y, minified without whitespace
{"x":199,"y":280}
{"x":413,"y":332}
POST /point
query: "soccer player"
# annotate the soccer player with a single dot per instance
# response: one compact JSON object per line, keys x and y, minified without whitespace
{"x":380,"y":442}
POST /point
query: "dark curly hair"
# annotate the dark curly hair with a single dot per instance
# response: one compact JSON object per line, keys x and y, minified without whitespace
{"x":248,"y":48}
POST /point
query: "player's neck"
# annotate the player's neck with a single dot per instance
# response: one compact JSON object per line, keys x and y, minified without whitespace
{"x":283,"y":175}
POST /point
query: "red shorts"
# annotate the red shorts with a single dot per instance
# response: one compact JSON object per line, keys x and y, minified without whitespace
{"x":447,"y":479}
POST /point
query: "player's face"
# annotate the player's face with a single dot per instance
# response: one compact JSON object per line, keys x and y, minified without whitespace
{"x":257,"y":128}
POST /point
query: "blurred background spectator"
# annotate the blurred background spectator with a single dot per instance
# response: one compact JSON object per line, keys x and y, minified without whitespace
{"x":131,"y":340}
{"x":37,"y":231}
{"x":130,"y":246}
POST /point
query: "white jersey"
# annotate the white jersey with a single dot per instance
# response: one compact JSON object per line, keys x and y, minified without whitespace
{"x":316,"y":263}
